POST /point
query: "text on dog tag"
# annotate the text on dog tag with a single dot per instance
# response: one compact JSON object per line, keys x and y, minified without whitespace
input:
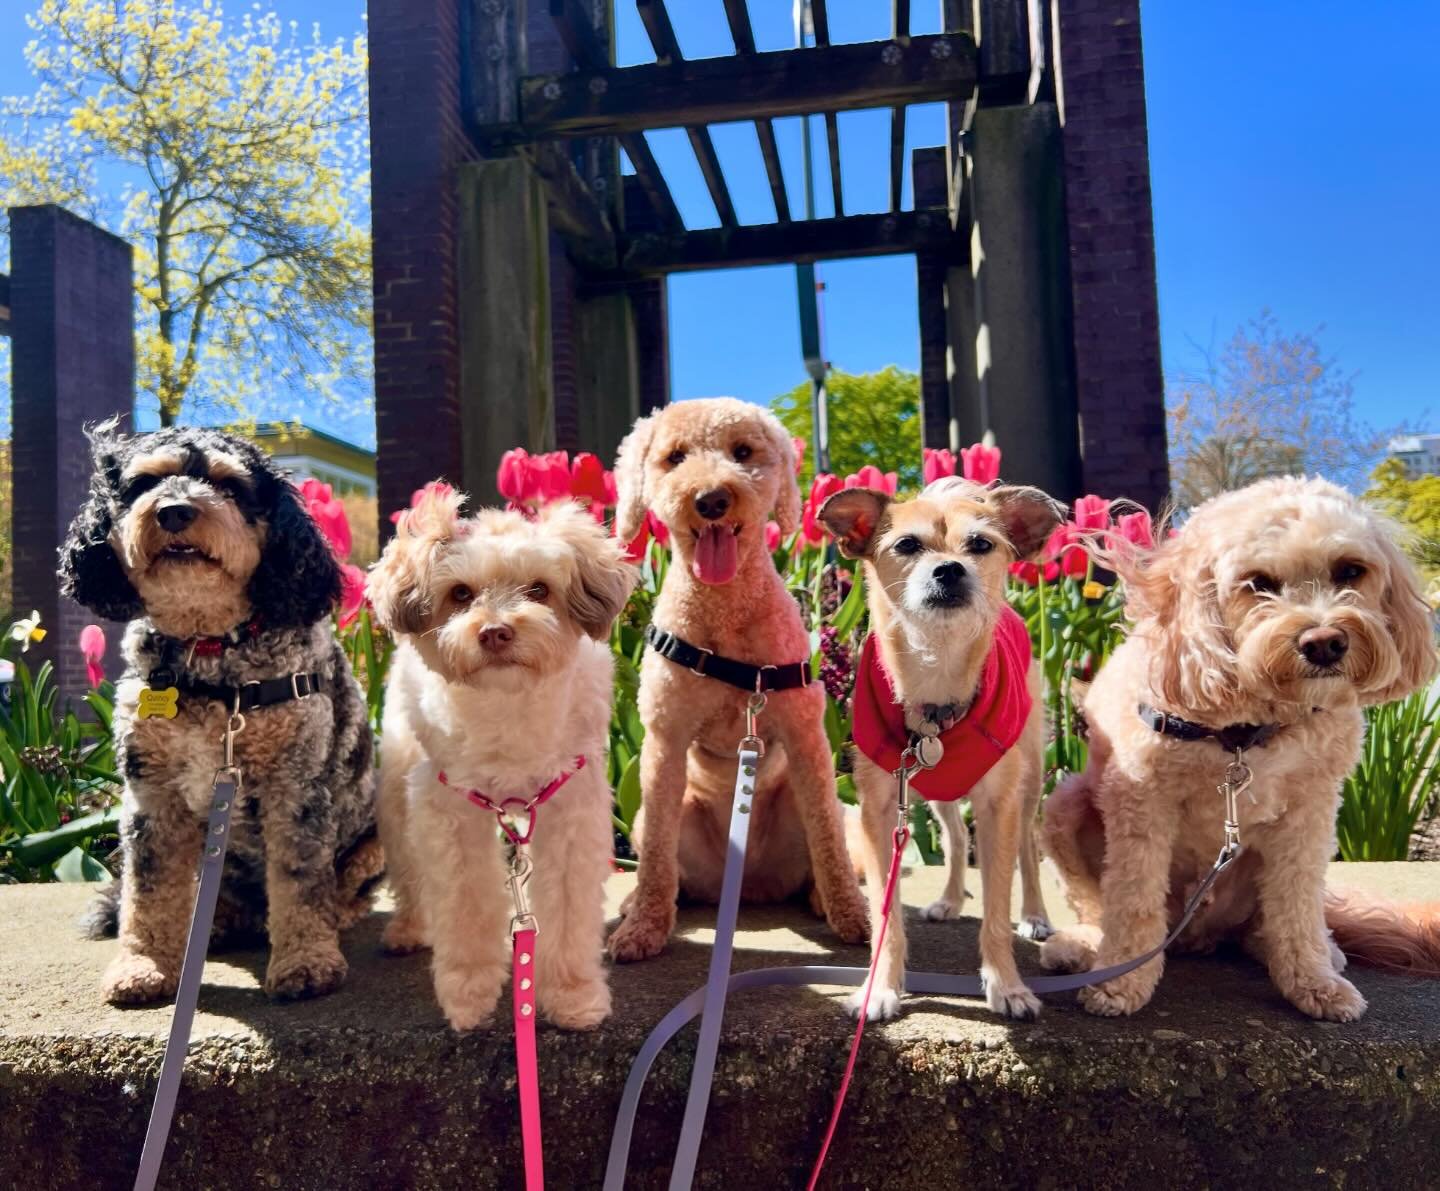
{"x":163,"y":703}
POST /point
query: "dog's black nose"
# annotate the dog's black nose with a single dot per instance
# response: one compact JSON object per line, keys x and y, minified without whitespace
{"x":712,"y":505}
{"x":175,"y":518}
{"x":949,"y":575}
{"x":1324,"y":646}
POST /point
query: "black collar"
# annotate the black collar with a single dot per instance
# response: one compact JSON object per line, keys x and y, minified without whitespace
{"x":712,"y":665}
{"x":1230,"y":738}
{"x":175,"y":654}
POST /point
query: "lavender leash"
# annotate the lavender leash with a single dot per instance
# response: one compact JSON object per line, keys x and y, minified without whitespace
{"x":187,"y":995}
{"x":933,"y":983}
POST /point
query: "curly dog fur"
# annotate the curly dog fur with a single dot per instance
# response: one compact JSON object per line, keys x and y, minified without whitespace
{"x":194,"y":534}
{"x":1285,"y":603}
{"x":722,"y":593}
{"x":503,"y":676}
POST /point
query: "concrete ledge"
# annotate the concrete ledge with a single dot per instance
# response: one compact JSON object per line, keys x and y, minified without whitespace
{"x":1217,"y":1083}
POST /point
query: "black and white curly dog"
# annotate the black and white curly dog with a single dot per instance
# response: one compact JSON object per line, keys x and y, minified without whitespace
{"x":197,"y":539}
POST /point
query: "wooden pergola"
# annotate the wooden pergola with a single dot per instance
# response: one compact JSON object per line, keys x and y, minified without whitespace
{"x":568,"y":352}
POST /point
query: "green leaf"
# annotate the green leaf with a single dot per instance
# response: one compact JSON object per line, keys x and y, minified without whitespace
{"x":847,"y":616}
{"x":627,"y":793}
{"x":41,"y":847}
{"x":78,"y":865}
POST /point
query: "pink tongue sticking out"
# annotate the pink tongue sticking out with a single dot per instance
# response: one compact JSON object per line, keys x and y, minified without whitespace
{"x":716,"y":555}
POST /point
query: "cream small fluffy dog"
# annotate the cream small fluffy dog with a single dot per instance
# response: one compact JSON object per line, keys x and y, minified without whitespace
{"x":935,"y":570}
{"x":501,"y":679}
{"x":712,"y":471}
{"x":1284,"y":604}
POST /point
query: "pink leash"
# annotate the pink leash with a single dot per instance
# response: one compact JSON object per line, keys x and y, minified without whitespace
{"x":516,"y":818}
{"x":899,"y":839}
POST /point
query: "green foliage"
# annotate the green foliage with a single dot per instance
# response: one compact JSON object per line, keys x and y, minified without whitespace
{"x":369,"y":649}
{"x":1415,"y":504}
{"x":874,"y":417}
{"x":1395,"y":782}
{"x":58,"y":786}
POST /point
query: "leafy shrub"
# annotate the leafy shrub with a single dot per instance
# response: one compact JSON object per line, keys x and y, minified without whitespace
{"x":1395,"y":783}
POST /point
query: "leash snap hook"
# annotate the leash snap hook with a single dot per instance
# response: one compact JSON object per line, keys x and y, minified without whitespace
{"x":1238,"y":777}
{"x":754,"y":705}
{"x":520,"y":868}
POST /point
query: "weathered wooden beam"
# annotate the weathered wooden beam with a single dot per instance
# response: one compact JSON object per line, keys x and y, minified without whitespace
{"x":647,"y":171}
{"x":667,"y":49}
{"x":800,"y":242}
{"x":578,"y":33}
{"x":899,"y":27}
{"x":821,"y":20}
{"x":574,"y":212}
{"x":900,"y":18}
{"x":832,"y":141}
{"x":4,"y":304}
{"x":744,"y":38}
{"x":715,"y":90}
{"x":740,"y":31}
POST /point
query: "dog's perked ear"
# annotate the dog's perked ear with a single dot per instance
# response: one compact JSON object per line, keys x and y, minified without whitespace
{"x":90,"y":571}
{"x":631,"y":502}
{"x":603,"y":579}
{"x":398,"y":585}
{"x":852,"y":517}
{"x":787,"y":496}
{"x":1028,"y":515}
{"x":297,"y":581}
{"x":1411,"y":623}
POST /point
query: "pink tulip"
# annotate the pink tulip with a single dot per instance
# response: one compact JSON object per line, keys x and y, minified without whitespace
{"x":1066,"y":547}
{"x":1137,"y":529}
{"x":980,"y":464}
{"x":513,"y":476}
{"x":352,"y":593}
{"x":1027,"y":572}
{"x":772,"y":536}
{"x":824,"y":487}
{"x":658,"y":529}
{"x":798,"y":444}
{"x":440,"y":487}
{"x":612,"y":496}
{"x":329,"y":515}
{"x":1092,"y":513}
{"x":939,"y":463}
{"x":871,"y":476}
{"x":92,"y":646}
{"x":587,"y":478}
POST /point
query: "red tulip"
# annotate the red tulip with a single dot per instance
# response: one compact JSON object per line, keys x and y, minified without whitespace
{"x":612,"y":496}
{"x":798,"y":444}
{"x":1027,"y":572}
{"x":329,"y":515}
{"x":92,"y":646}
{"x":1092,"y":513}
{"x":772,"y":536}
{"x":439,"y":487}
{"x":939,"y":463}
{"x":871,"y":476}
{"x":352,"y":593}
{"x":1051,"y":572}
{"x":513,"y":476}
{"x":1066,"y":546}
{"x":658,"y":528}
{"x":824,"y":487}
{"x":1137,"y":529}
{"x":980,"y":464}
{"x":587,"y":478}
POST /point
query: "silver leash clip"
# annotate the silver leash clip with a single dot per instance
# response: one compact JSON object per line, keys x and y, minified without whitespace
{"x":1238,"y":777}
{"x":520,"y":869}
{"x":754,"y":705}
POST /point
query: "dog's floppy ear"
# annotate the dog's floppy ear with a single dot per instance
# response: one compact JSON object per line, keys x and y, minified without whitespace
{"x":787,"y":495}
{"x":1410,"y":622}
{"x":399,"y":584}
{"x":631,"y":502}
{"x":852,"y":517}
{"x":90,"y":570}
{"x":297,"y":580}
{"x":1028,"y":515}
{"x":603,"y":579}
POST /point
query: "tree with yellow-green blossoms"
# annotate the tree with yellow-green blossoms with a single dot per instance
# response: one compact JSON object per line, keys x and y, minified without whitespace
{"x":232,"y":154}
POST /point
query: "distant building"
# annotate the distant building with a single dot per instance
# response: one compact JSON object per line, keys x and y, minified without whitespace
{"x":1420,"y":453}
{"x":309,"y":454}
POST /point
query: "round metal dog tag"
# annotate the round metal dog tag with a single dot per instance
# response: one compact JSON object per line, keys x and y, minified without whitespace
{"x":929,"y":751}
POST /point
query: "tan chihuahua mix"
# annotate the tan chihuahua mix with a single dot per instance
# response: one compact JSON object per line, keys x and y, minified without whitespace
{"x":947,"y":652}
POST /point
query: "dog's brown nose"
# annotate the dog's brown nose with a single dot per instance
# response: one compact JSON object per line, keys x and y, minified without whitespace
{"x":176,"y":517}
{"x":712,"y":505}
{"x":496,"y":637}
{"x":1323,"y":646}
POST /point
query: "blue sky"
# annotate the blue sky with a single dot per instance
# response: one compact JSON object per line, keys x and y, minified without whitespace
{"x":1292,"y":163}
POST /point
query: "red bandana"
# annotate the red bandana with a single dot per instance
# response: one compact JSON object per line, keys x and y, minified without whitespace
{"x":973,"y":746}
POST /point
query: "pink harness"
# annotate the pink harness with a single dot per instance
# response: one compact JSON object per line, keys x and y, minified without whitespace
{"x":516,"y":818}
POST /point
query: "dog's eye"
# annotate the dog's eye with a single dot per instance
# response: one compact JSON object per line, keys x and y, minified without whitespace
{"x":538,"y":592}
{"x":1348,"y":572}
{"x":1261,"y":583}
{"x":675,"y":458}
{"x":231,"y":487}
{"x":137,"y":488}
{"x":909,"y":544}
{"x":461,"y":594}
{"x":741,"y":453}
{"x":977,"y":544}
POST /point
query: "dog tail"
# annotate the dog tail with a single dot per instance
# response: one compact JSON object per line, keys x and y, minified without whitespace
{"x":1384,"y":935}
{"x":101,"y":919}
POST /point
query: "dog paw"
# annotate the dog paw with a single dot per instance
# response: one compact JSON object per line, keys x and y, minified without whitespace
{"x":402,"y":936}
{"x":884,"y":1003}
{"x":1338,"y":959}
{"x":637,"y":938}
{"x":137,"y":980}
{"x":311,"y":973}
{"x":1116,"y":998}
{"x":1335,"y":999}
{"x":851,"y":920}
{"x":1035,"y":926}
{"x":942,"y":908}
{"x":578,"y":1006}
{"x":468,"y":998}
{"x":1012,"y":1000}
{"x":1067,"y":951}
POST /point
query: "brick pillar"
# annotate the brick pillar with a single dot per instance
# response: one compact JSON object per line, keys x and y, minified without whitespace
{"x":1120,"y":388}
{"x":72,"y":364}
{"x":418,"y":143}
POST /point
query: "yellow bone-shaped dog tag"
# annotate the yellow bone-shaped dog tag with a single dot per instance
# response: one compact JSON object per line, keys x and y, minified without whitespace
{"x":165,"y":702}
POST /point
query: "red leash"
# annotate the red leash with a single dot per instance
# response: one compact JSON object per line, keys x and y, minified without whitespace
{"x":516,"y":818}
{"x":899,"y":839}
